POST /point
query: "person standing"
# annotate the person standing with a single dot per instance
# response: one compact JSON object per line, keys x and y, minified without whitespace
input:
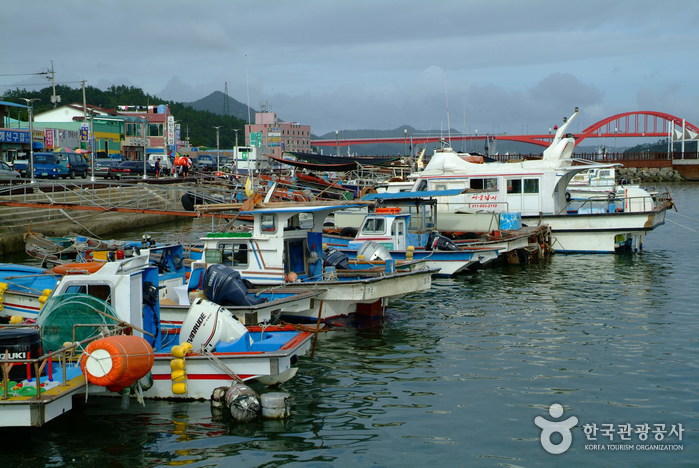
{"x":157,"y":168}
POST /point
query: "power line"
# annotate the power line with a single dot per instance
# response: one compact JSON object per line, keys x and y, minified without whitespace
{"x":24,"y":74}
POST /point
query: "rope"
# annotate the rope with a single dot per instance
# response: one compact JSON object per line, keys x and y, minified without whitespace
{"x":681,"y":225}
{"x":685,"y":216}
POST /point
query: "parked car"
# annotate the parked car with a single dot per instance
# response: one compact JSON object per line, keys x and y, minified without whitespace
{"x":102,"y":166}
{"x":130,"y":169}
{"x":45,"y":165}
{"x":205,"y":162}
{"x":7,"y":172}
{"x":72,"y":164}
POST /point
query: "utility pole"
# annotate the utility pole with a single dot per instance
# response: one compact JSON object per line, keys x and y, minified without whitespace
{"x":30,"y":105}
{"x":54,"y":99}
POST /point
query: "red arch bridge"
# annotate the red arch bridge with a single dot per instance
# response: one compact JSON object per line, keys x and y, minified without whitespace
{"x":638,"y":124}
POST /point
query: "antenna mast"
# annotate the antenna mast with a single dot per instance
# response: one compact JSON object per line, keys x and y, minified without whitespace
{"x":226,"y":104}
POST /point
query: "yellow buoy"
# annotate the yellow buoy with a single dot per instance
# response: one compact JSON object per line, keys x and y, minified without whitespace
{"x":15,"y":319}
{"x":178,"y":376}
{"x":178,"y":351}
{"x":179,"y":388}
{"x":177,"y":364}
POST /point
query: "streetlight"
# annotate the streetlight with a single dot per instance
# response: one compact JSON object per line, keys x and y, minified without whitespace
{"x":218,"y":166}
{"x":30,"y":105}
{"x":405,"y":141}
{"x":616,"y":132}
{"x":236,"y":136}
{"x":337,"y":142}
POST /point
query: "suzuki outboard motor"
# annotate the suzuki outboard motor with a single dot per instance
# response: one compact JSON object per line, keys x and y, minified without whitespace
{"x":436,"y":241}
{"x":224,"y":286}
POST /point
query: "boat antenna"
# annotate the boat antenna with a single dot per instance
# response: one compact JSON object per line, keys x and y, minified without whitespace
{"x":446,"y":97}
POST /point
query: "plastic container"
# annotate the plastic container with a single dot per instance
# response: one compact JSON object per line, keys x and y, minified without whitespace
{"x":276,"y":405}
{"x":510,"y":221}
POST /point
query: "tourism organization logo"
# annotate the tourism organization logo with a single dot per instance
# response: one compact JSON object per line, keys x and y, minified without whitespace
{"x":549,"y":428}
{"x":556,"y":435}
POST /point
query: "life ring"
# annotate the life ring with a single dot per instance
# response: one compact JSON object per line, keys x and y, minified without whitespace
{"x":77,"y":268}
{"x":366,"y":191}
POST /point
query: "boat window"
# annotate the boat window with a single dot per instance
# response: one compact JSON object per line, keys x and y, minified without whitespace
{"x":268,"y":223}
{"x":531,"y":185}
{"x":375,"y":226}
{"x":397,"y":228}
{"x":235,"y":255}
{"x":422,"y":186}
{"x":514,"y":185}
{"x":100,"y":291}
{"x":487,"y":183}
{"x":440,"y":187}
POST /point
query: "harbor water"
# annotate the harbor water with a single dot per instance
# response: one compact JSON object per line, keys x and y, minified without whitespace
{"x":455,"y":376}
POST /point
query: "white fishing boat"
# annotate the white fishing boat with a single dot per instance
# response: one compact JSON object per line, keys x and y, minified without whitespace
{"x":537,"y":189}
{"x":285,"y":247}
{"x":403,"y":227}
{"x":81,"y":331}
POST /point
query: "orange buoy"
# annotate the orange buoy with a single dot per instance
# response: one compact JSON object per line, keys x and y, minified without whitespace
{"x":77,"y":268}
{"x":116,"y":362}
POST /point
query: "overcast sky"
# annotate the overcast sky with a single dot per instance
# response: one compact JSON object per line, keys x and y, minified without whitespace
{"x":494,"y":66}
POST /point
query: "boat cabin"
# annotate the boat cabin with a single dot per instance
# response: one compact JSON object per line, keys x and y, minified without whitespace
{"x":283,"y":243}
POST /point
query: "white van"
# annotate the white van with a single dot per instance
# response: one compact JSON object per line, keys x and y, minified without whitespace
{"x":165,"y":162}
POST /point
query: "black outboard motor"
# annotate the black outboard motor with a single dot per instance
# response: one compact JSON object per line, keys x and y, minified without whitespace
{"x":436,"y":241}
{"x":335,"y":258}
{"x":224,"y":286}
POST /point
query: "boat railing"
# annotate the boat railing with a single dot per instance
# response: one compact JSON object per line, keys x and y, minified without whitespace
{"x":69,"y":353}
{"x":612,"y":203}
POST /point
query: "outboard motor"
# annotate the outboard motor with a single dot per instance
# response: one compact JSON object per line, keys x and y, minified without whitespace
{"x":224,"y":286}
{"x":371,"y":251}
{"x":335,"y":258}
{"x":436,"y":241}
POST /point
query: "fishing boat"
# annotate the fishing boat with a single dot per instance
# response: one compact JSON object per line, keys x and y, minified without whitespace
{"x":101,"y":333}
{"x":537,"y":189}
{"x":25,"y":288}
{"x":55,"y":250}
{"x":405,"y":229}
{"x":284,"y":246}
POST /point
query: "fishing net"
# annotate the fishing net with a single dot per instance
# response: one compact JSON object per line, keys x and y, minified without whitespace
{"x":73,"y":317}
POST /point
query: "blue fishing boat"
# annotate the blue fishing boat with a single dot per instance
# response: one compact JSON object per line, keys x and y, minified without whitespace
{"x":102,"y":334}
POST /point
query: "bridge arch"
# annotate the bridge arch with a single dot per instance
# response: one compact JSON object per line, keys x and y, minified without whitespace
{"x":636,"y":124}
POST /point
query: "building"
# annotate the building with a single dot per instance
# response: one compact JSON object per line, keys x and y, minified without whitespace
{"x":14,"y":134}
{"x":274,"y":136}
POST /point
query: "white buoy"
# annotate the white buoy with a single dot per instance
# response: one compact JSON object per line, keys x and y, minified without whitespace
{"x":242,"y":402}
{"x":276,"y":405}
{"x":218,"y":397}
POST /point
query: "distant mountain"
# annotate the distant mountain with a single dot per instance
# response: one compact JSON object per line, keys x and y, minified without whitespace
{"x":500,"y":147}
{"x":215,"y":103}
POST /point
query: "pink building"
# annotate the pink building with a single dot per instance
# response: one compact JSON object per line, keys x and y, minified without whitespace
{"x":274,"y":136}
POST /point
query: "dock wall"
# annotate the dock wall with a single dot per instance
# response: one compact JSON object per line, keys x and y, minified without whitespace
{"x":17,"y":220}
